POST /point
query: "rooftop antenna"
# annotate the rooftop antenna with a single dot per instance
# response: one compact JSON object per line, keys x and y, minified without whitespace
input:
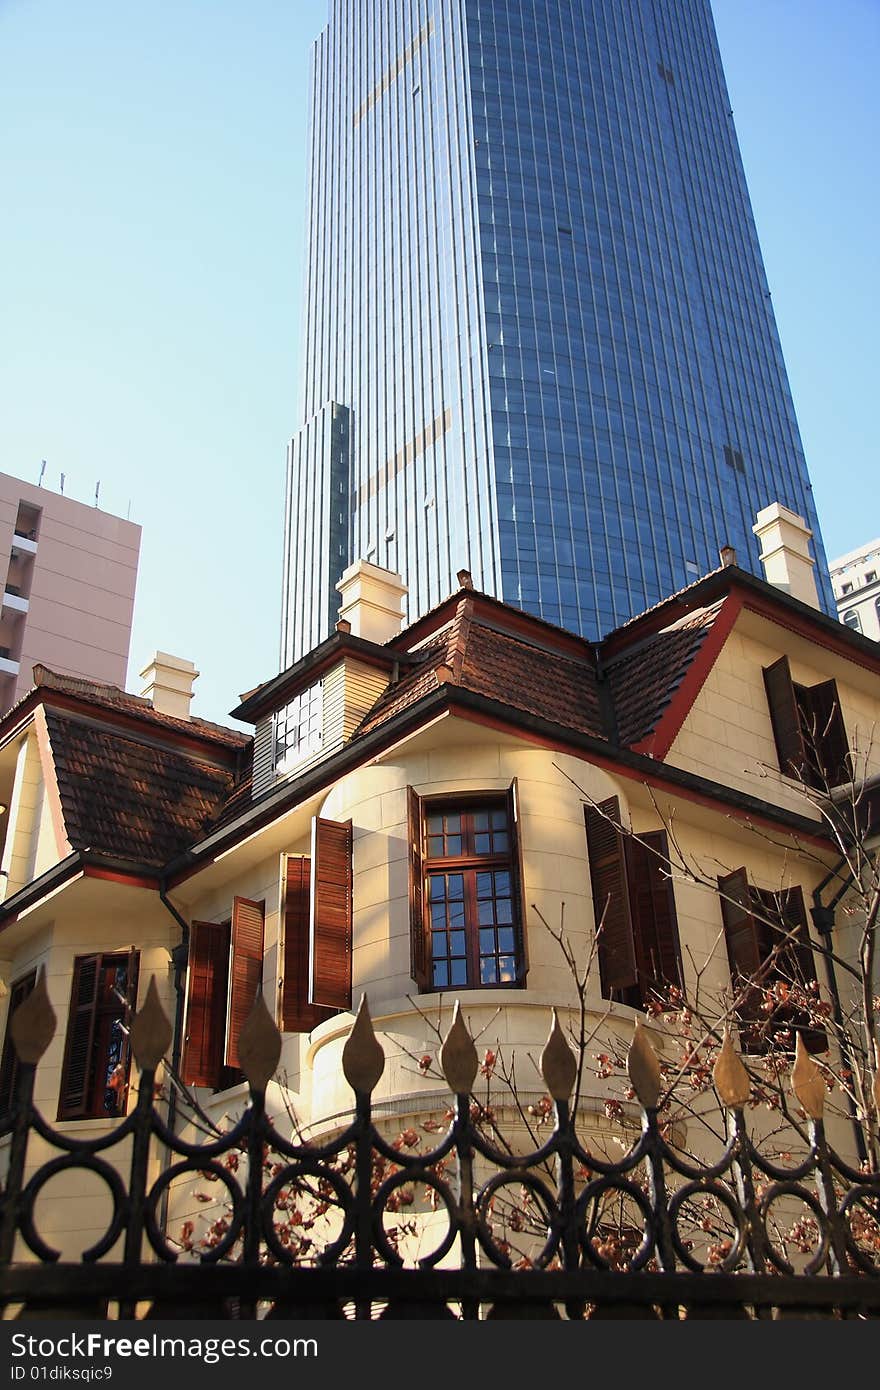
{"x":42,"y":471}
{"x":62,"y":484}
{"x":128,"y":511}
{"x":97,"y":490}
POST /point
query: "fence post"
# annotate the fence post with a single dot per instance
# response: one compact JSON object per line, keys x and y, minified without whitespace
{"x":32,"y":1028}
{"x":363,"y":1063}
{"x":459,"y":1063}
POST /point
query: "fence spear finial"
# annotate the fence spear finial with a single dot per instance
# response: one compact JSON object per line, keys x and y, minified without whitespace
{"x":458,"y":1056}
{"x":363,"y":1060}
{"x":259,"y":1045}
{"x":32,"y":1026}
{"x":150,"y":1031}
{"x":643,"y":1067}
{"x":807,"y":1084}
{"x":558,"y":1064}
{"x":730,"y":1076}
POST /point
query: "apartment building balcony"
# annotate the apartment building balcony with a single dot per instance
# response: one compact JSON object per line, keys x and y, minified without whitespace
{"x":24,"y":542}
{"x":8,"y":666}
{"x":14,"y":600}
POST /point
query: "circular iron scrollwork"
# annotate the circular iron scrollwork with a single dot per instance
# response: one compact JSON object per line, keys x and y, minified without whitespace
{"x":702,"y":1186}
{"x":235,"y":1216}
{"x":63,"y":1164}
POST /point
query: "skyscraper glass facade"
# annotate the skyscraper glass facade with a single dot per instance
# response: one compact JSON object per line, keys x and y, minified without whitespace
{"x":534,"y":293}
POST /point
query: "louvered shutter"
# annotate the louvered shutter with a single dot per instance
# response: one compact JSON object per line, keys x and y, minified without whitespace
{"x":785,"y":717}
{"x":331,"y":908}
{"x":207,"y":980}
{"x":9,"y":1065}
{"x":745,"y":951}
{"x":516,"y":874}
{"x":297,"y":1014}
{"x":803,"y":963}
{"x":420,"y":946}
{"x":245,"y":970}
{"x":617,"y":960}
{"x":832,"y":745}
{"x":77,"y":1071}
{"x":652,"y":904}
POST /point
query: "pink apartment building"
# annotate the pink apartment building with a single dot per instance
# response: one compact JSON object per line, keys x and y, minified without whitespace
{"x":70,"y":573}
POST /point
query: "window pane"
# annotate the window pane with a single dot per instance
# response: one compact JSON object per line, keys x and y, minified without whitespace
{"x":488,"y":971}
{"x":505,"y":939}
{"x":481,"y":844}
{"x":481,"y":820}
{"x":484,"y":885}
{"x":486,"y":912}
{"x":456,"y":915}
{"x":457,"y":943}
{"x":507,"y":968}
{"x":459,"y":972}
{"x":455,"y":885}
{"x":441,"y":973}
{"x":503,"y":910}
{"x":487,"y":941}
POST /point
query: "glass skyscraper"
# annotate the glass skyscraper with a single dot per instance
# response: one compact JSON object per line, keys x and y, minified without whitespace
{"x":538,"y":336}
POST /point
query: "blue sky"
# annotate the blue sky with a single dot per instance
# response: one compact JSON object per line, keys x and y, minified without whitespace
{"x":152,"y":167}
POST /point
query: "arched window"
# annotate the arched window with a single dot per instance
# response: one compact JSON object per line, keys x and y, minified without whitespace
{"x":851,"y":618}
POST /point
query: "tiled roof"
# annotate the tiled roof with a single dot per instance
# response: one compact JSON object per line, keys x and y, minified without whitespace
{"x":502,"y":666}
{"x":131,"y":799}
{"x":644,"y":679}
{"x":110,"y":697}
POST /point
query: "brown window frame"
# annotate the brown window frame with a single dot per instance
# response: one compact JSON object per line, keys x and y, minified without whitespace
{"x":90,"y":1032}
{"x":750,"y":938}
{"x":633,"y":898}
{"x":808,"y":728}
{"x":224,"y":975}
{"x":425,"y":867}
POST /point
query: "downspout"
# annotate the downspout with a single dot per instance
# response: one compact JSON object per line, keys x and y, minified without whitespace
{"x":179,"y":958}
{"x":823,"y":920}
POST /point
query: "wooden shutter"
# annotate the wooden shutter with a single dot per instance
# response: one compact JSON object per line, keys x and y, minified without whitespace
{"x":617,"y":960}
{"x":802,"y":963}
{"x":517,"y":882}
{"x":420,"y":946}
{"x":297,"y":1014}
{"x":77,"y":1071}
{"x":745,"y":947}
{"x":330,"y":940}
{"x":9,"y":1065}
{"x":831,"y":743}
{"x":652,"y":904}
{"x":245,"y":970}
{"x":785,"y":717}
{"x":207,"y":980}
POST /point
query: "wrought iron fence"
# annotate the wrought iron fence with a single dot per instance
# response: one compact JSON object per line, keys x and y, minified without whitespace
{"x":345,"y":1191}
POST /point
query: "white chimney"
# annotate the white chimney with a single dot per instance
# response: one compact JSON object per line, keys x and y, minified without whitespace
{"x":785,"y":552}
{"x":372,"y":601}
{"x":168,"y":683}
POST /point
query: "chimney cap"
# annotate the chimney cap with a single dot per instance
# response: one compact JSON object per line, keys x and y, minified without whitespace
{"x":168,"y":684}
{"x":727,"y":556}
{"x":464,"y":579}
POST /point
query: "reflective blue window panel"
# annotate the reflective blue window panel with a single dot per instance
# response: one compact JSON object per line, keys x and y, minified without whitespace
{"x":535,"y":290}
